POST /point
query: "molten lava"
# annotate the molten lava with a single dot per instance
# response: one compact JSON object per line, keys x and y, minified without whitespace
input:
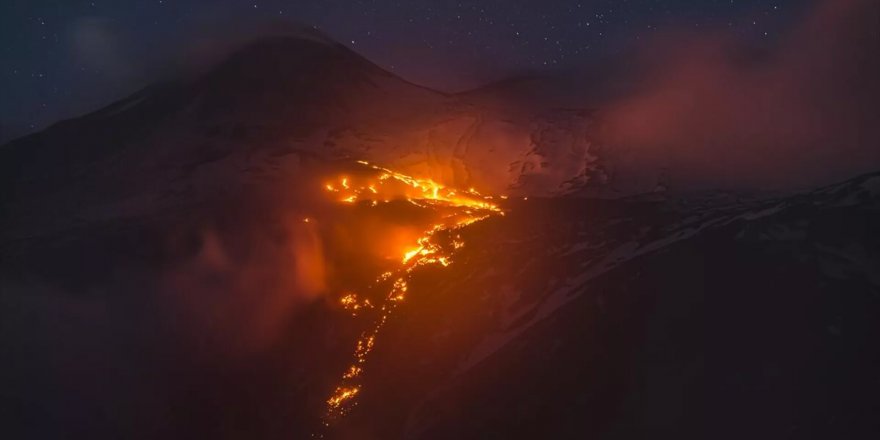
{"x":436,"y":246}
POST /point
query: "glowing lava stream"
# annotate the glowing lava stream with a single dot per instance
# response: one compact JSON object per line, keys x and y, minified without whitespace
{"x":437,"y":245}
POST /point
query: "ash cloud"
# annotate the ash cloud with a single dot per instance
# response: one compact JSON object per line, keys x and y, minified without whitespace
{"x":717,"y":113}
{"x":167,"y":349}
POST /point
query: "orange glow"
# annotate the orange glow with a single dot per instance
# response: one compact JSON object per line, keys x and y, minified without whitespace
{"x":341,"y":396}
{"x":350,"y":302}
{"x":415,"y":190}
{"x":408,"y":256}
{"x":352,"y":372}
{"x":460,"y":208}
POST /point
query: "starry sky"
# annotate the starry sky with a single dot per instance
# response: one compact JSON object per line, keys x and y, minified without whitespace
{"x":66,"y":57}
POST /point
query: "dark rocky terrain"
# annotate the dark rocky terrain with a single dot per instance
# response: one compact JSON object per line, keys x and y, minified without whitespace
{"x":148,"y":290}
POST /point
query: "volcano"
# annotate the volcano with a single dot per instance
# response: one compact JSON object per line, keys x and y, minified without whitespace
{"x":296,"y":243}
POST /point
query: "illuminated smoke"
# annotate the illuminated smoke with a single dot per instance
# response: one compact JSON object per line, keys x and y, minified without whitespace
{"x":436,"y":246}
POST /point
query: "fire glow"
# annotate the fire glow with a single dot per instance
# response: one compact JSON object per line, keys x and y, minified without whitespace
{"x":436,"y":246}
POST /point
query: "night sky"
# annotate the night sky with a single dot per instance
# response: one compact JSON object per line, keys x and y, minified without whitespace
{"x":64,"y":58}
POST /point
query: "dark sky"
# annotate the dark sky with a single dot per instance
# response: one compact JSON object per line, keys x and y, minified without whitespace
{"x":66,"y":57}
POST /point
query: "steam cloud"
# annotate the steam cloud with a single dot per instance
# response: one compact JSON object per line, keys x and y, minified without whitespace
{"x":208,"y":330}
{"x":717,"y":114}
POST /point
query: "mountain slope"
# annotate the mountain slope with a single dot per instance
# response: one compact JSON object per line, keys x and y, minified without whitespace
{"x":272,"y":102}
{"x":171,"y":266}
{"x":627,"y":320}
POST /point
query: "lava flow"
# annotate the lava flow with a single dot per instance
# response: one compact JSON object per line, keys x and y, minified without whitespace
{"x":437,"y":245}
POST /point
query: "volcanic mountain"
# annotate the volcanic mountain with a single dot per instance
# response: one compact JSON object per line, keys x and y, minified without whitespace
{"x":278,"y":98}
{"x":214,"y":255}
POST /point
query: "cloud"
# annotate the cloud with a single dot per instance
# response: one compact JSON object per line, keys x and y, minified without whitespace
{"x":715,"y":112}
{"x":158,"y":352}
{"x":241,"y":288}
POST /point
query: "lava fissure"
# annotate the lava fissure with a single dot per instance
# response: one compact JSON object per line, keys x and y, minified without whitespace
{"x":436,"y":246}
